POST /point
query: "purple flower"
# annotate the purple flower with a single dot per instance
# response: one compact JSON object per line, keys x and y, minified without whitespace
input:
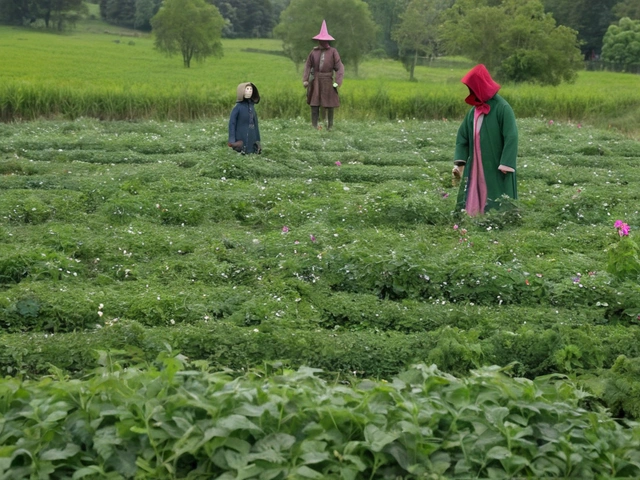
{"x":445,"y":195}
{"x":313,"y":238}
{"x":618,"y":224}
{"x":338,"y":163}
{"x":285,"y":229}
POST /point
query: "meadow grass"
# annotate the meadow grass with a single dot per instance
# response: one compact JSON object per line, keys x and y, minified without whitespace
{"x":119,"y":76}
{"x":160,"y":224}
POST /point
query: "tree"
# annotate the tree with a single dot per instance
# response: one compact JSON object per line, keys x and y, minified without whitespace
{"x":145,"y":10}
{"x":118,"y":12}
{"x":14,"y":12}
{"x":349,"y":22}
{"x":246,"y":18}
{"x":191,"y":27}
{"x":58,"y":13}
{"x":590,"y":18}
{"x":386,"y":14}
{"x":516,"y":39}
{"x":627,"y":8}
{"x":417,"y":31}
{"x":621,"y":43}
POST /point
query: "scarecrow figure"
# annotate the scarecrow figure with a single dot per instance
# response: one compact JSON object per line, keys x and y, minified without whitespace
{"x":318,"y":78}
{"x":244,"y":134}
{"x":486,"y":146}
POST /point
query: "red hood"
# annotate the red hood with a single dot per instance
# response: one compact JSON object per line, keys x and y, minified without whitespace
{"x":481,"y":84}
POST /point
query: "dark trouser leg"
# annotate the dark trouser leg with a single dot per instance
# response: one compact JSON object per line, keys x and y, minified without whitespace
{"x":315,"y":113}
{"x":329,"y":118}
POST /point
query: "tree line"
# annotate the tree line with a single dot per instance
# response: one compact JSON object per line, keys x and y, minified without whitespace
{"x":53,"y":14}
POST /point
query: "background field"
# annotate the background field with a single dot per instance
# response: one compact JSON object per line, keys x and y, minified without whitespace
{"x":120,"y":76}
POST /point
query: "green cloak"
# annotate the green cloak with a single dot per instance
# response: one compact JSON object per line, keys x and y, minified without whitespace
{"x":499,"y":146}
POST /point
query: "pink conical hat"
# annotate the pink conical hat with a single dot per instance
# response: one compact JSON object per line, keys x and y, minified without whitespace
{"x":323,"y":35}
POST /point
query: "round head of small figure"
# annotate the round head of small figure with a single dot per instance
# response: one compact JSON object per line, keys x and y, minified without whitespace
{"x":248,"y":91}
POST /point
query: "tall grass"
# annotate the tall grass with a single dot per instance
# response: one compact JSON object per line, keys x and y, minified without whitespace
{"x":93,"y":74}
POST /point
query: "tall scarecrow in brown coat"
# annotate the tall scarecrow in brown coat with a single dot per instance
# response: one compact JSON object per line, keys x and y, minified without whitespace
{"x":322,"y":88}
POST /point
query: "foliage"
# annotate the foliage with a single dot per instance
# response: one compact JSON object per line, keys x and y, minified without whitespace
{"x":517,"y":40}
{"x":247,"y":18}
{"x":386,"y":15}
{"x":166,"y":421}
{"x":159,"y":225}
{"x":589,"y":19}
{"x":57,"y":14}
{"x":348,"y":21}
{"x":624,"y":259}
{"x":621,"y":43}
{"x":191,"y":27}
{"x":417,"y":30}
{"x":622,"y":388}
{"x":627,"y":8}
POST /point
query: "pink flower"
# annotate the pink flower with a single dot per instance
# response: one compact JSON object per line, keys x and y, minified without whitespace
{"x":338,"y":163}
{"x":445,"y":195}
{"x":579,"y":125}
{"x":550,"y":122}
{"x":313,"y":238}
{"x":285,"y":229}
{"x":624,"y":230}
{"x":455,"y":227}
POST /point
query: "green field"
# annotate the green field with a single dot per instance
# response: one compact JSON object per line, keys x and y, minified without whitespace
{"x":117,"y":75}
{"x":173,"y":310}
{"x":137,"y":237}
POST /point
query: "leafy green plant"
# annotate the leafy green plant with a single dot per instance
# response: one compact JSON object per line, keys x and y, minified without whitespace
{"x":167,"y":421}
{"x":624,"y":256}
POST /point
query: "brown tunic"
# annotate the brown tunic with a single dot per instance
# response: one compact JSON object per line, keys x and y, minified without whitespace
{"x":319,"y":71}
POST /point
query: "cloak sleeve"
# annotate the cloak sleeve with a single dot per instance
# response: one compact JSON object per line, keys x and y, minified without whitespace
{"x":510,"y":138}
{"x":338,"y":66}
{"x":307,"y":67}
{"x":232,"y":123}
{"x":461,"y":155}
{"x":255,"y":120}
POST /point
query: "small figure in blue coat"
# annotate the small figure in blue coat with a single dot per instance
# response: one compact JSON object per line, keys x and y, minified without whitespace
{"x":244,"y":134}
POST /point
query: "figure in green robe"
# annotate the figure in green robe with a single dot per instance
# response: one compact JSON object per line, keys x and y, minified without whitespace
{"x":486,"y":146}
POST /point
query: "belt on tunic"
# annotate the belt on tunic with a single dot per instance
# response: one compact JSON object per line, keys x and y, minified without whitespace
{"x":325,"y":75}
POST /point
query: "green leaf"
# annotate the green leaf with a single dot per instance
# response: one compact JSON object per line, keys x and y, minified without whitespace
{"x":314,"y":457}
{"x":57,"y":454}
{"x":496,"y":415}
{"x":306,"y":472}
{"x":275,"y":441}
{"x":235,"y":460}
{"x":238,"y":422}
{"x":85,"y":471}
{"x":498,"y":453}
{"x":376,"y":438}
